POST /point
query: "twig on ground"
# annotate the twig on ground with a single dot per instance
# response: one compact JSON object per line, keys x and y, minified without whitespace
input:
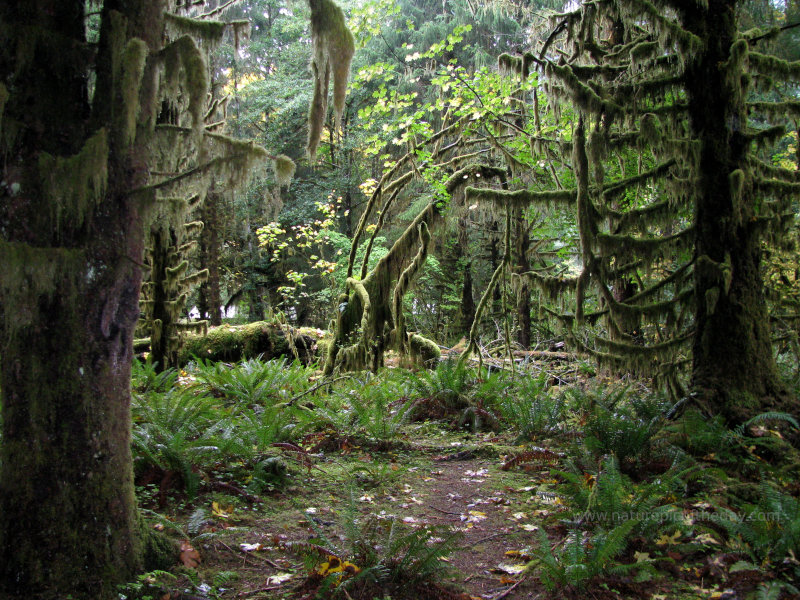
{"x":221,"y":486}
{"x":444,"y":511}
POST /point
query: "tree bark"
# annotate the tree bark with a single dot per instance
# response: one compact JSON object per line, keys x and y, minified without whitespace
{"x":522,"y":244}
{"x":69,"y":303}
{"x":210,"y":248}
{"x":734,"y":373}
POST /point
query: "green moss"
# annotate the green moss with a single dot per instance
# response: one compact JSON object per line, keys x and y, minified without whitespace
{"x":31,"y":274}
{"x":157,"y":550}
{"x":518,"y":197}
{"x":185,"y":66}
{"x":334,"y":47}
{"x":208,"y":31}
{"x":133,"y":63}
{"x":76,"y":184}
{"x":248,"y":341}
{"x":284,"y":168}
{"x":766,"y":64}
{"x":423,"y":350}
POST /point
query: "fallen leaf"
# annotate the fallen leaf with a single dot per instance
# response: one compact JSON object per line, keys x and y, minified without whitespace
{"x":668,"y":539}
{"x":278,"y":579}
{"x":641,"y":556}
{"x":189,"y":556}
{"x":221,"y":512}
{"x":251,"y":547}
{"x":529,"y":526}
{"x":706,"y":538}
{"x":507,"y":569}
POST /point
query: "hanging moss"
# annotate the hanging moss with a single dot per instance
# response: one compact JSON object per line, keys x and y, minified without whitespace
{"x":776,"y":188}
{"x":184,"y":65}
{"x":133,"y":63}
{"x":582,"y":94}
{"x":403,"y":281}
{"x":209,"y":31}
{"x":284,"y":168}
{"x":789,"y":108}
{"x":76,"y":184}
{"x":773,"y":66}
{"x":334,"y":47}
{"x":623,"y":185}
{"x":516,"y":65}
{"x":649,"y":247}
{"x":518,"y":197}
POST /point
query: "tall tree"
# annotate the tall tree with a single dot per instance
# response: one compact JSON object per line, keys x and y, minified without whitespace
{"x":670,"y":84}
{"x":79,"y":138}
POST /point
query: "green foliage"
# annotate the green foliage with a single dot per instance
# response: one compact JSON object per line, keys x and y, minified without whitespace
{"x":386,"y":553}
{"x":448,"y":385}
{"x":607,"y":496}
{"x":146,"y":378}
{"x":252,"y":381}
{"x":531,"y":410}
{"x":620,"y":422}
{"x":174,"y":431}
{"x":583,"y":556}
{"x":379,"y":406}
{"x":769,"y":530}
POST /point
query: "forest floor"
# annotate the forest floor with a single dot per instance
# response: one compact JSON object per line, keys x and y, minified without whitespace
{"x":448,"y":485}
{"x":250,"y":547}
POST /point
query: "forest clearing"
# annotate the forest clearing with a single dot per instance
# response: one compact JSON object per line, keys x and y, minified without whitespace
{"x":376,"y":300}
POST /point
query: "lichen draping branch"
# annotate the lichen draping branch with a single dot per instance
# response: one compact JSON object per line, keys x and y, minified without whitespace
{"x":334,"y":47}
{"x":76,"y":184}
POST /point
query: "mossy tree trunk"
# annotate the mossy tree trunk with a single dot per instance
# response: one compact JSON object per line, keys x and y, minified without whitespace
{"x":734,"y":373}
{"x":69,"y":302}
{"x":210,"y":249}
{"x":522,"y":244}
{"x":466,"y":312}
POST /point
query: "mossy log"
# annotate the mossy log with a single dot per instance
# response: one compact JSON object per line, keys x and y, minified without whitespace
{"x":234,"y":343}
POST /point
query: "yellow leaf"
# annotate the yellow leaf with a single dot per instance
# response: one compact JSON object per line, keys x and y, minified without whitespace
{"x":641,"y":556}
{"x":668,"y":539}
{"x":221,"y":512}
{"x":706,"y":538}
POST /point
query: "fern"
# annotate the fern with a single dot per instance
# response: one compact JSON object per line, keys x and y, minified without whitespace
{"x":582,"y":556}
{"x":384,"y":550}
{"x":769,"y":530}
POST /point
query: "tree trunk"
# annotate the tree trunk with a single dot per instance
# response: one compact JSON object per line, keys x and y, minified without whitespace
{"x":522,"y":265}
{"x":210,"y":249}
{"x":467,"y":310}
{"x":734,"y":373}
{"x":69,"y":302}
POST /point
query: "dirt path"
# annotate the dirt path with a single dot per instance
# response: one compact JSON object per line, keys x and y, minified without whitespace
{"x":495,"y":512}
